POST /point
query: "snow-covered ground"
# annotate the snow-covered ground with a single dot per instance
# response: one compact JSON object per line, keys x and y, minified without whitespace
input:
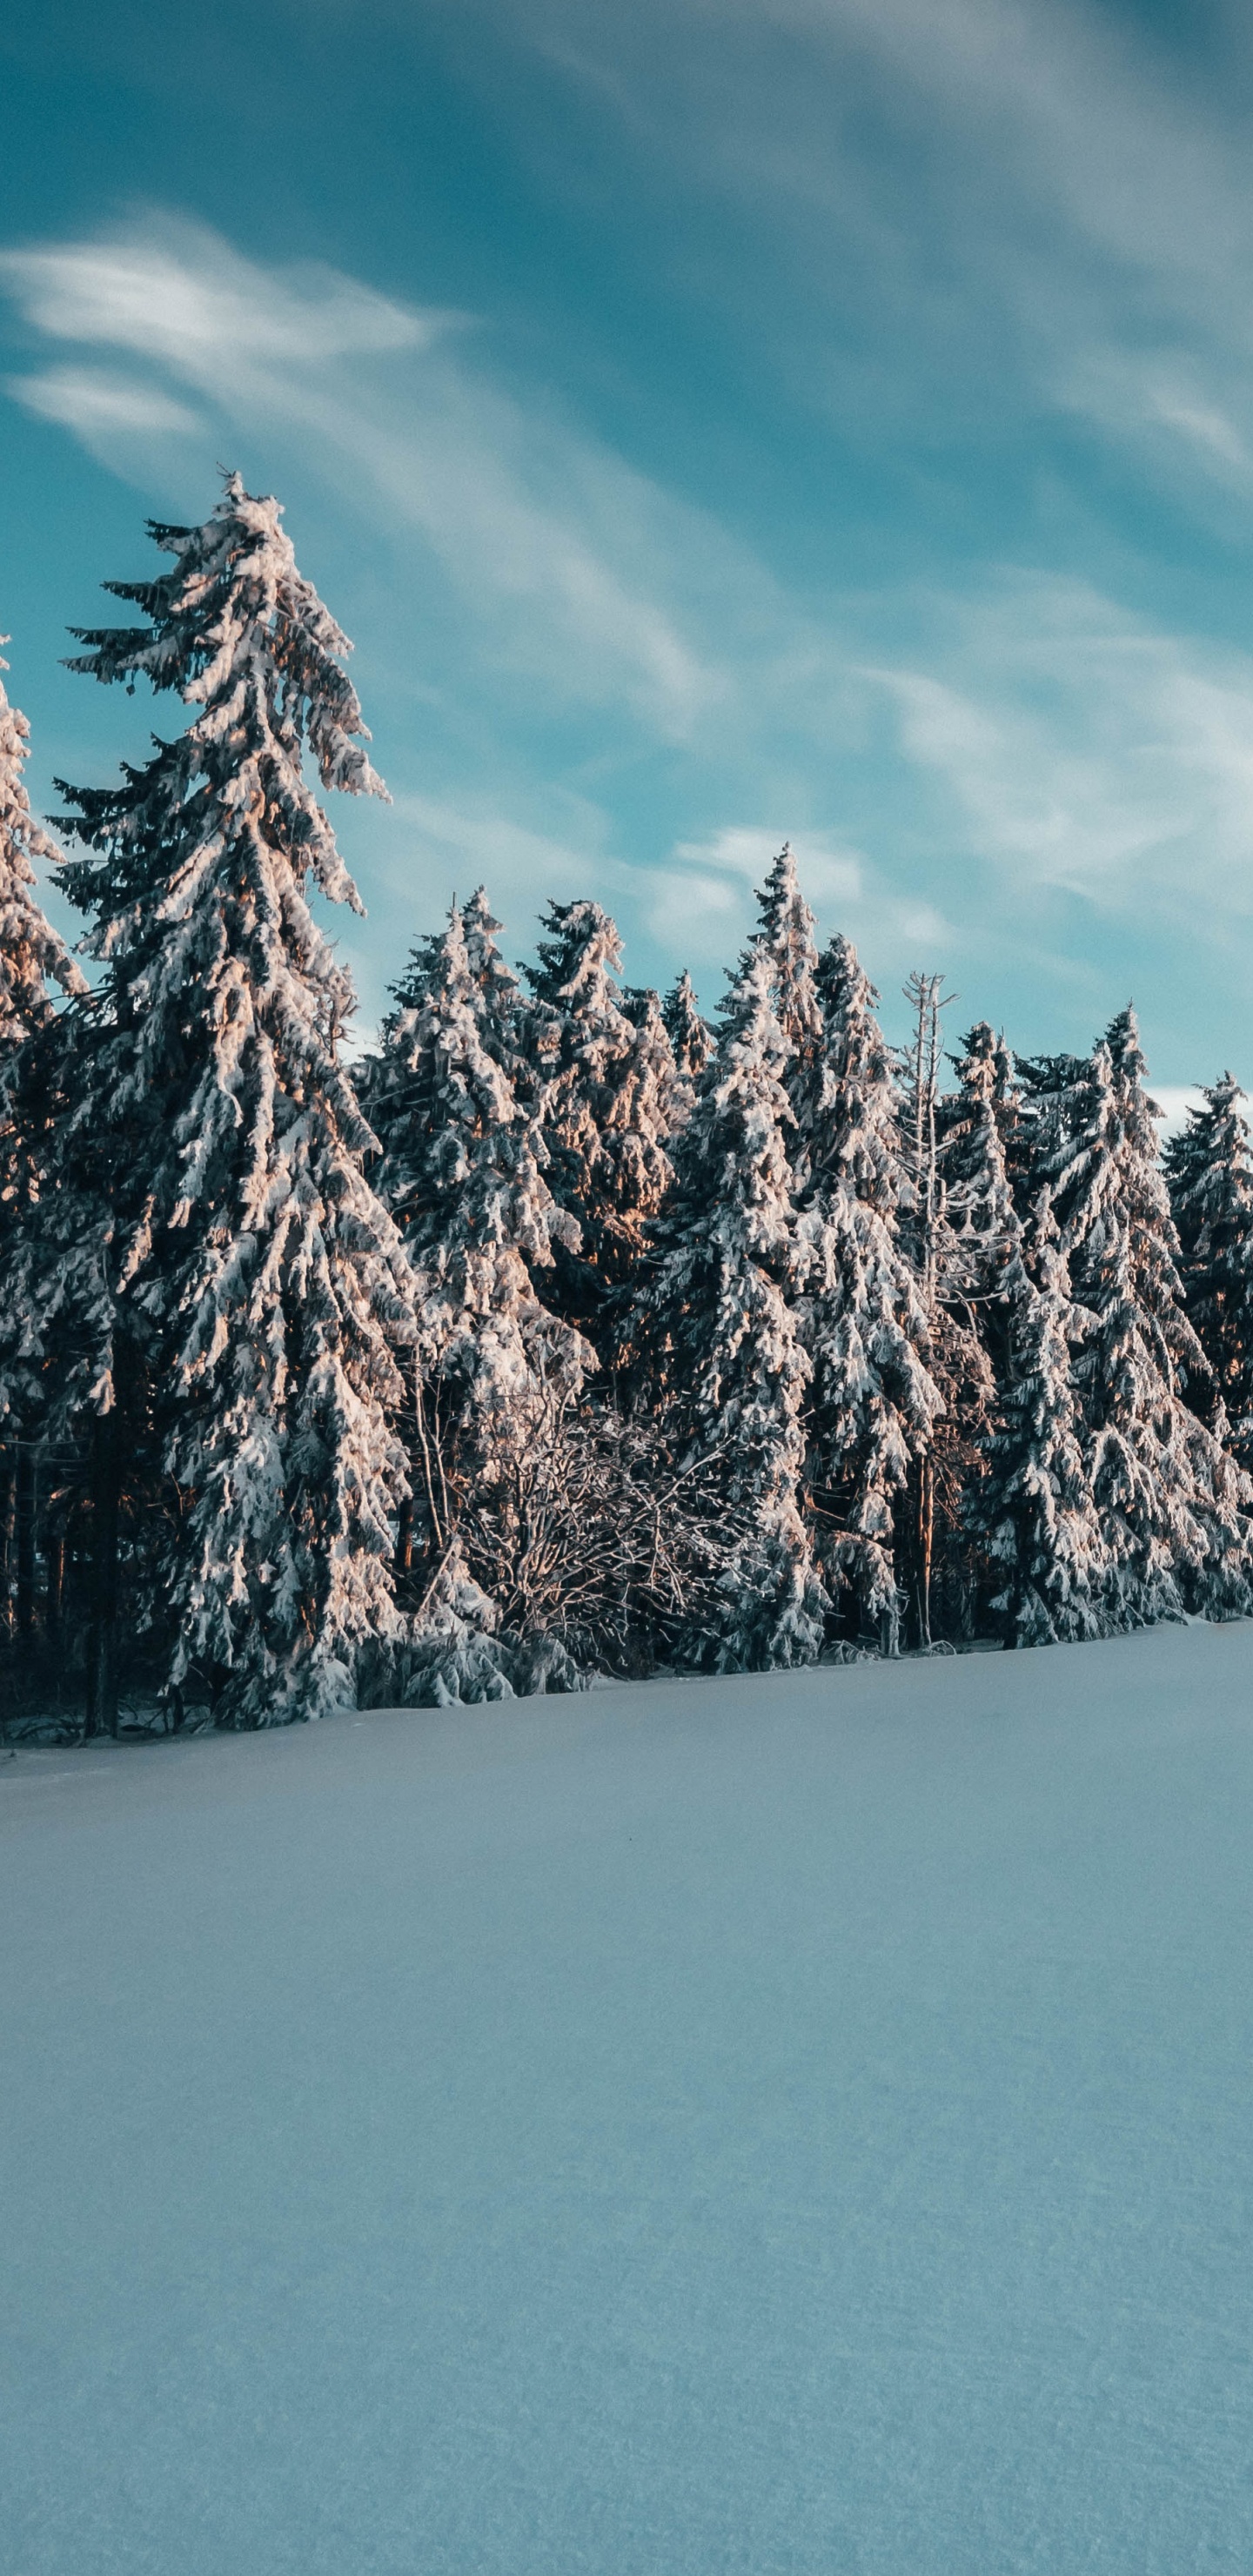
{"x":800,"y":2124}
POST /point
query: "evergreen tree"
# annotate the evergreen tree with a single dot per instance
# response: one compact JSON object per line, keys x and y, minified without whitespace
{"x":607,"y":1108}
{"x":1171,"y":1503}
{"x":723,"y":1332}
{"x":979,"y":1285}
{"x":941,"y":1574}
{"x":1030,"y":1509}
{"x":501,"y":1005}
{"x":234,"y":1259}
{"x":1036,"y":1513}
{"x":30,"y":949}
{"x":1211,"y":1195}
{"x":463,"y":1169}
{"x":640,"y":1119}
{"x":873,"y":1403}
{"x":1048,"y":1093}
{"x":978,"y":1127}
{"x":30,"y":952}
{"x":691,"y":1038}
{"x":785,"y":938}
{"x":31,"y":1051}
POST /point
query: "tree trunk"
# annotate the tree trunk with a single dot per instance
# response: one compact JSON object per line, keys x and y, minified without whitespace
{"x":26,"y":1521}
{"x":54,"y":1560}
{"x":926,"y":1545}
{"x":404,"y":1538}
{"x":6,"y":1543}
{"x":921,"y":1548}
{"x":106,"y":1478}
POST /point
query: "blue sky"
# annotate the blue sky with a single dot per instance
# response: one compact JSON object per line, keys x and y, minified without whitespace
{"x":712,"y":421}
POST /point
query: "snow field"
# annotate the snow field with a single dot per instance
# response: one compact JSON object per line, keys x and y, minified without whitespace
{"x":793,"y":2123}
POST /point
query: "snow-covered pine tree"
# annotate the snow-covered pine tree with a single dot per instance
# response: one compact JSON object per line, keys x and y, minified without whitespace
{"x":941,"y":1577}
{"x":1035,"y":1516}
{"x":501,"y":1006}
{"x":722,"y":1331}
{"x":1172,"y":1504}
{"x":463,"y":1170}
{"x":872,"y":1404}
{"x":691,"y":1038}
{"x":31,"y":953}
{"x":1048,"y":1093}
{"x":1210,"y":1181}
{"x":980,"y":1283}
{"x":785,"y":935}
{"x":654,"y":1100}
{"x":644,"y":1114}
{"x":975,"y":1121}
{"x":608,"y":1104}
{"x":246,"y":1270}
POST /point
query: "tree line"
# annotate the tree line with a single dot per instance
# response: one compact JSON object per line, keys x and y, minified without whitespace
{"x":565,"y":1331}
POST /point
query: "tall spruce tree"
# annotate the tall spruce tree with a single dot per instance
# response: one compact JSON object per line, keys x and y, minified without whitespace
{"x":237,"y":1261}
{"x":942,"y":1578}
{"x":31,"y":951}
{"x":608,"y":1104}
{"x":786,"y":940}
{"x":722,"y":1329}
{"x":691,"y":1037}
{"x":1050,"y":1091}
{"x":1172,"y":1504}
{"x":1030,"y":1511}
{"x":1211,"y":1195}
{"x":978,"y":1127}
{"x":463,"y":1169}
{"x":872,"y":1405}
{"x":785,"y":936}
{"x":980,"y":1284}
{"x":1035,"y":1515}
{"x":31,"y":1052}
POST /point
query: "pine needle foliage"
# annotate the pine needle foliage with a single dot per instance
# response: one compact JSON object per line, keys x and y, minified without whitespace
{"x":1210,"y":1180}
{"x":241,"y":1262}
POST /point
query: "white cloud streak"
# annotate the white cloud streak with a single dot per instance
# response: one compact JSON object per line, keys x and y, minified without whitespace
{"x":1027,"y":199}
{"x":1089,"y":753}
{"x":177,"y":292}
{"x":1064,"y":744}
{"x":99,"y":406}
{"x":554,"y":543}
{"x":700,"y":904}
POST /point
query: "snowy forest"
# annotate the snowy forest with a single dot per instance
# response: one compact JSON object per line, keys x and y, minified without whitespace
{"x":563,"y":1333}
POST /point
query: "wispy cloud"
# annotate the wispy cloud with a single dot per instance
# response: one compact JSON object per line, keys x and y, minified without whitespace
{"x":470,"y":842}
{"x":1009,"y":204}
{"x":1038,"y":736}
{"x":564,"y":554}
{"x":99,"y":407}
{"x":700,"y":904}
{"x":1089,"y":752}
{"x":174,"y":291}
